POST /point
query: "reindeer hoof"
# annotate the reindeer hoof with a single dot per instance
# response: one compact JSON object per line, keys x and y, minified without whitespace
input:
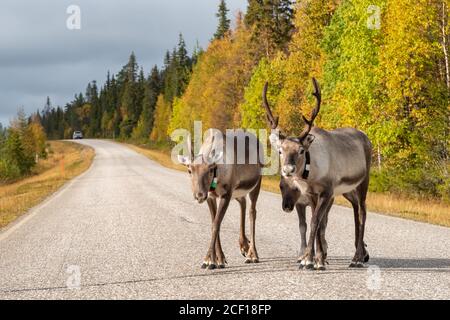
{"x":204,"y":265}
{"x":356,"y":264}
{"x":221,"y":266}
{"x":212,"y":266}
{"x":320,"y":268}
{"x":309,"y":266}
{"x":366,"y":258}
{"x":248,"y":260}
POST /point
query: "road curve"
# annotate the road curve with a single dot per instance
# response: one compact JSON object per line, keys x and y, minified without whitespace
{"x":132,"y":229}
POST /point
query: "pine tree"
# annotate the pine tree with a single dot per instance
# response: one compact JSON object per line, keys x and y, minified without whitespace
{"x":224,"y":23}
{"x":271,"y":24}
{"x":198,"y":51}
{"x":140,"y":93}
{"x":46,"y":112}
{"x":95,"y":115}
{"x":183,"y":67}
{"x":152,"y":90}
{"x":129,"y":96}
{"x":171,"y":76}
{"x":20,"y":145}
{"x":178,"y":66}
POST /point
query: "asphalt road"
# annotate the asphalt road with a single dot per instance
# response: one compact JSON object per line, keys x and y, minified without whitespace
{"x":133,"y":231}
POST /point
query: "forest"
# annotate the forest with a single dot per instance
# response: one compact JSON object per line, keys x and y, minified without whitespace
{"x":383,"y":67}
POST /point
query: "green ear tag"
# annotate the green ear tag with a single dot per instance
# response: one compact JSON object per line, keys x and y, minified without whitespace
{"x":214,"y":184}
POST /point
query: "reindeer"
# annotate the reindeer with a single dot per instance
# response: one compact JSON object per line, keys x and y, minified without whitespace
{"x":218,"y":176}
{"x":292,"y":197}
{"x":325,"y":164}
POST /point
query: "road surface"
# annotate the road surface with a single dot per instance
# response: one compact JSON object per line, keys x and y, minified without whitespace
{"x":129,"y":229}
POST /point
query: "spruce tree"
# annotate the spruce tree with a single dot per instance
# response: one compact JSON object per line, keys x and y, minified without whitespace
{"x":183,"y":67}
{"x":271,"y":23}
{"x":224,"y":23}
{"x":198,"y":51}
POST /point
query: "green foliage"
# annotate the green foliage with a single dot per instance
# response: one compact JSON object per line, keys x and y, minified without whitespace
{"x":253,"y":115}
{"x":215,"y":90}
{"x":224,"y":23}
{"x":151,"y":90}
{"x":271,"y":24}
{"x":161,"y":120}
{"x":23,"y":142}
{"x":392,"y":82}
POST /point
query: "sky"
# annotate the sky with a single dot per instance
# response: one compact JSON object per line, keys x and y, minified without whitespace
{"x":40,"y":56}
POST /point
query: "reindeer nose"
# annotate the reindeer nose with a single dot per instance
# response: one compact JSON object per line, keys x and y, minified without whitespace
{"x":287,"y":207}
{"x":288,"y":170}
{"x":200,"y":197}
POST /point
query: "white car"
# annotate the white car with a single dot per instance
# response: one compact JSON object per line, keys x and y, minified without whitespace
{"x":77,"y":135}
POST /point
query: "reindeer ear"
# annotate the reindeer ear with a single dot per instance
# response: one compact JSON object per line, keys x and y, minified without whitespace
{"x":184,"y":160}
{"x":308,"y":140}
{"x":215,"y":157}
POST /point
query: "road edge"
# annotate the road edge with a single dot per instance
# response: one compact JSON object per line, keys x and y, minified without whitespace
{"x":6,"y":231}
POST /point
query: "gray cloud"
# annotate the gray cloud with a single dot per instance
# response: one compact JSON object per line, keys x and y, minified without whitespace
{"x":40,"y":57}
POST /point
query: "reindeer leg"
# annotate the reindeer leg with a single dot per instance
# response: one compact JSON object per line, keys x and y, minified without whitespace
{"x":252,"y":255}
{"x":212,"y":205}
{"x":243,"y":241}
{"x":322,"y":245}
{"x":301,"y":212}
{"x":220,"y":256}
{"x":361,"y":254}
{"x":223,"y":206}
{"x":353,"y":199}
{"x":323,"y":203}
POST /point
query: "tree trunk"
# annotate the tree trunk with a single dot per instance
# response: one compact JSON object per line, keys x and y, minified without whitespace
{"x":445,"y":45}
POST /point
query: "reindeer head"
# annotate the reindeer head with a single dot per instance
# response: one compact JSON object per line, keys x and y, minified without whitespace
{"x":201,"y":170}
{"x":292,"y":149}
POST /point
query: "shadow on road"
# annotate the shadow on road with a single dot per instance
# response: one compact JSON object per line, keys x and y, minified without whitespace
{"x":338,"y":265}
{"x":411,"y":263}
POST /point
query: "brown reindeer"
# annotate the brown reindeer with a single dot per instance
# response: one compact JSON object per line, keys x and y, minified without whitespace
{"x":292,"y":197}
{"x":325,"y":164}
{"x":219,"y":175}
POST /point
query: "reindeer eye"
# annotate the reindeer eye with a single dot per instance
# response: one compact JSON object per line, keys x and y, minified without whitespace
{"x":189,"y":171}
{"x":302,"y":151}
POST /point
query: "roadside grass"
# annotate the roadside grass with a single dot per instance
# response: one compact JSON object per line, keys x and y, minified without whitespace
{"x":418,"y":209}
{"x":65,"y":161}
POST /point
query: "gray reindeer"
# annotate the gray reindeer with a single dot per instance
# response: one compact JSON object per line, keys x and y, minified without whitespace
{"x":325,"y":164}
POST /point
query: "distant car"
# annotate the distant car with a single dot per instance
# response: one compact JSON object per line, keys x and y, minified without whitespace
{"x":77,"y":135}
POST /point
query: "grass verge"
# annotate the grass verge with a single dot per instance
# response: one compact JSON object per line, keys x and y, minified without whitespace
{"x":65,"y":161}
{"x":424,"y":210}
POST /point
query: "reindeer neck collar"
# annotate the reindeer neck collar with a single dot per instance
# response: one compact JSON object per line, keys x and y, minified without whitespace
{"x":213,"y":185}
{"x":307,"y":167}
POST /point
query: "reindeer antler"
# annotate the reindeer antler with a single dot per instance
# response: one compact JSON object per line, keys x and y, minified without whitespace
{"x":315,"y":112}
{"x":273,"y":121}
